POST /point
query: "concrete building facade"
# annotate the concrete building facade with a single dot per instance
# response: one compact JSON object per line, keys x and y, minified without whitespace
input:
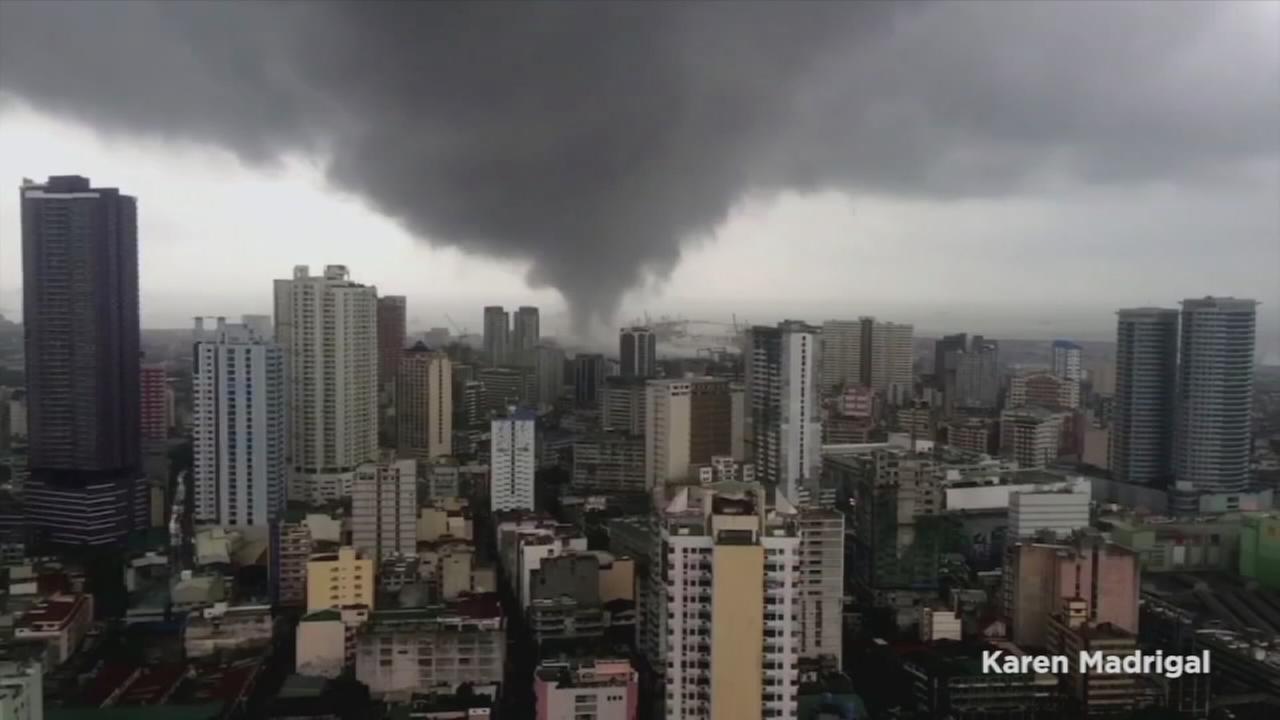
{"x":384,"y":508}
{"x":424,"y":404}
{"x":240,"y":427}
{"x":342,"y":579}
{"x":327,"y":327}
{"x":512,"y":461}
{"x":1215,"y":394}
{"x":80,"y":281}
{"x":783,"y":406}
{"x":637,"y":352}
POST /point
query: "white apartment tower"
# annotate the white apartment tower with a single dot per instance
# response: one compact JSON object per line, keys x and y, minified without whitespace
{"x":512,"y":461}
{"x":239,"y":426}
{"x":731,"y":631}
{"x":384,"y":508}
{"x":424,"y":404}
{"x":327,"y":326}
{"x":784,"y":410}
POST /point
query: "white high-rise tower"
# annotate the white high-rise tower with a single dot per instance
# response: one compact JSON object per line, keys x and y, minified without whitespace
{"x":512,"y":461}
{"x":239,"y":426}
{"x":328,"y":328}
{"x":784,"y":420}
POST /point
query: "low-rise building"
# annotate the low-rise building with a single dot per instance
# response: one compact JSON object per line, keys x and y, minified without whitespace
{"x":222,"y":628}
{"x":440,"y":645}
{"x":61,"y":621}
{"x":948,"y":681}
{"x":604,"y":689}
{"x":340,"y":579}
{"x":21,"y":691}
{"x":1260,"y":550}
{"x":1165,"y":544}
{"x":326,"y":641}
{"x":1094,"y":693}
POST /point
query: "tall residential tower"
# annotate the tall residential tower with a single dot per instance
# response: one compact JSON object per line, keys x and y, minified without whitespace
{"x":80,"y":309}
{"x":783,"y":411}
{"x":239,"y":426}
{"x":327,"y":326}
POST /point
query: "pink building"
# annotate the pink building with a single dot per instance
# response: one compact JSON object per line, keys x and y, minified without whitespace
{"x":856,"y":402}
{"x":1039,"y":577}
{"x":156,"y":417}
{"x":61,"y":621}
{"x":601,"y":689}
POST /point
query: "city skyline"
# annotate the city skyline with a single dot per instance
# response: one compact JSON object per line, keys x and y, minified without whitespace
{"x":1145,"y":240}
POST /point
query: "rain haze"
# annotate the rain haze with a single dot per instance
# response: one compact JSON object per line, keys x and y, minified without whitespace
{"x":1020,"y":169}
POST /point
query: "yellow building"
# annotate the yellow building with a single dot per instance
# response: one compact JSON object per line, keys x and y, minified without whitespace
{"x":341,"y":579}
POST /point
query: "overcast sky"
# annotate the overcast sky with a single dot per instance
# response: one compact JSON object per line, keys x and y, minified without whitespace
{"x":1008,"y":168}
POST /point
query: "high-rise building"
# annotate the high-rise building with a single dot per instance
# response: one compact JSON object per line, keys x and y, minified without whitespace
{"x":784,"y":410}
{"x":1142,"y":413}
{"x":80,"y":309}
{"x":154,"y":387}
{"x":730,"y":584}
{"x":327,"y":326}
{"x":890,"y":357}
{"x":1215,"y":394}
{"x":976,"y":383}
{"x":512,"y":461}
{"x":588,"y":378}
{"x":945,"y":354}
{"x":841,"y":343}
{"x":821,"y":588}
{"x":667,"y":419}
{"x":688,"y":421}
{"x":1066,"y":360}
{"x":239,"y":426}
{"x":622,"y":405}
{"x":637,"y":349}
{"x":549,"y":368}
{"x":391,"y":333}
{"x":497,"y":335}
{"x":525,"y":336}
{"x":865,"y":352}
{"x":506,"y":386}
{"x":424,"y":404}
{"x":384,"y":508}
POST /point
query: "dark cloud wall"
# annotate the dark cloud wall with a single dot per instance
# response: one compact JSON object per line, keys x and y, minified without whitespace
{"x":595,"y":140}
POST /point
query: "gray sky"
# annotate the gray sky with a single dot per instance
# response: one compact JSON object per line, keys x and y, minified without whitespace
{"x":1010,"y":168}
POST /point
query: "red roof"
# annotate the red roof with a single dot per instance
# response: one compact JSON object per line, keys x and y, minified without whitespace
{"x":58,"y":609}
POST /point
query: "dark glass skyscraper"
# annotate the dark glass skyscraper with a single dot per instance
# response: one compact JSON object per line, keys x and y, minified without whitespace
{"x":1215,"y":394}
{"x":1142,"y":416}
{"x":638,"y":352}
{"x":80,"y":305}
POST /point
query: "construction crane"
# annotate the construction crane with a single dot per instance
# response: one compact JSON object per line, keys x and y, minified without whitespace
{"x":460,"y":330}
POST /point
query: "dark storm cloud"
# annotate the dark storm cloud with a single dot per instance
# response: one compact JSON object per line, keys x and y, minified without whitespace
{"x":592,"y":140}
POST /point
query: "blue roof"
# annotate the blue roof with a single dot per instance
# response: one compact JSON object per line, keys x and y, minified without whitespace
{"x":1065,"y":344}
